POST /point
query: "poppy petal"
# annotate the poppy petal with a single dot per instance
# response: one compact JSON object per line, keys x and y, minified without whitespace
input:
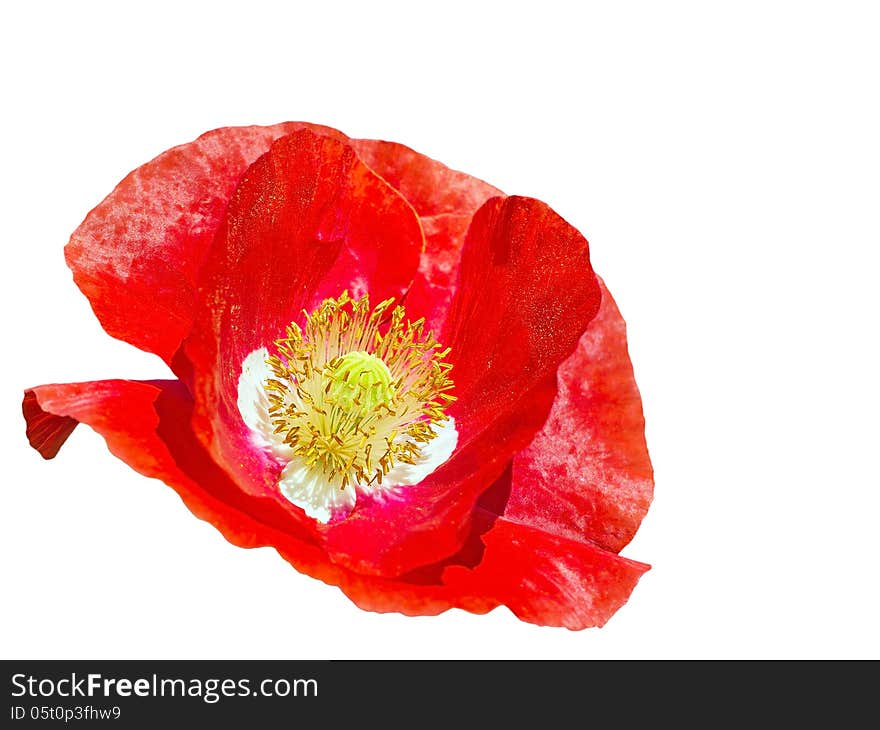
{"x":137,"y":255}
{"x":544,"y":578}
{"x":526,"y":293}
{"x":46,"y":432}
{"x":307,"y":221}
{"x":587,"y":474}
{"x":119,"y":410}
{"x":147,"y":424}
{"x":445,"y":201}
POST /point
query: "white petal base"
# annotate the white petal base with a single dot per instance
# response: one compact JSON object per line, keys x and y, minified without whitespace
{"x":254,"y":405}
{"x":309,"y":490}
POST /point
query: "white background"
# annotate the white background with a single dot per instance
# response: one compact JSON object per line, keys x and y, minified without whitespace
{"x":722,"y":159}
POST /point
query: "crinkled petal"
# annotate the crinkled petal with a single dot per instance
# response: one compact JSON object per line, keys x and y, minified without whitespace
{"x":445,"y":201}
{"x":587,"y":474}
{"x":138,"y":253}
{"x":148,"y":425}
{"x":542,"y":578}
{"x":58,"y":408}
{"x":526,"y":293}
{"x":46,"y":432}
{"x":308,"y":221}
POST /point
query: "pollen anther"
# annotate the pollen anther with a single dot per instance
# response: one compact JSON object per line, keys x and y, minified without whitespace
{"x":357,"y":391}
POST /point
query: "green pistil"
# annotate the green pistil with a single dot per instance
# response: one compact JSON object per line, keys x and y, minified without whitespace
{"x":359,"y":383}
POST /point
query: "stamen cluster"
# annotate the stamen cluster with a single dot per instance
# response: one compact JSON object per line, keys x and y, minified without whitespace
{"x":356,"y":390}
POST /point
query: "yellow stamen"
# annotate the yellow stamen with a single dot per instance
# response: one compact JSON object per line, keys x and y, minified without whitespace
{"x":356,"y":390}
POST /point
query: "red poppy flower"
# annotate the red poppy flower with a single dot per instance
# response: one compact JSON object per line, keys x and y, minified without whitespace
{"x":411,"y":385}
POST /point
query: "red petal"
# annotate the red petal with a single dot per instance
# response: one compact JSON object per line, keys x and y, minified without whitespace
{"x":147,"y":425}
{"x":587,"y":474}
{"x":544,"y":578}
{"x":308,"y":221}
{"x":46,"y":432}
{"x":526,"y":293}
{"x":120,"y":410}
{"x":445,"y":201}
{"x":137,"y":255}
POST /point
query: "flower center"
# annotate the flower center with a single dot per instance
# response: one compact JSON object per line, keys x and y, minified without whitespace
{"x":356,"y":391}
